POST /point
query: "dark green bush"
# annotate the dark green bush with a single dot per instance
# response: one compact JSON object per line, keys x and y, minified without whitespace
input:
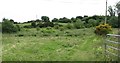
{"x":8,"y":27}
{"x":33,"y":24}
{"x":40,"y":25}
{"x":48,"y":24}
{"x":18,"y":27}
{"x":113,"y":21}
{"x":65,"y":20}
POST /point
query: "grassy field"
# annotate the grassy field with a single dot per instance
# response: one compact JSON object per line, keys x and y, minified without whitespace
{"x":53,"y":45}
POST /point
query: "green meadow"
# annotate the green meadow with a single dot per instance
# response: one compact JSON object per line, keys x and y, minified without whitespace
{"x":49,"y":44}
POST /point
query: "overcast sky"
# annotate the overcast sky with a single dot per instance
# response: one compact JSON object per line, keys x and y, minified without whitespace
{"x":25,"y":10}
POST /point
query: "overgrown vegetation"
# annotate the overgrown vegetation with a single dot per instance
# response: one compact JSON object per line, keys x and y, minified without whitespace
{"x":103,"y":29}
{"x":63,"y":39}
{"x":41,"y":45}
{"x":9,"y":27}
{"x":78,"y":24}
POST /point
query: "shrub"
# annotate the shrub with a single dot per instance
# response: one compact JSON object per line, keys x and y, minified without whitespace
{"x":69,"y":26}
{"x":92,"y":22}
{"x":40,"y":25}
{"x":78,"y":24}
{"x":87,"y":25}
{"x":55,"y":20}
{"x":18,"y":27}
{"x":103,"y":29}
{"x":45,"y":24}
{"x":65,"y":20}
{"x":33,"y":24}
{"x":113,"y":21}
{"x":48,"y":24}
{"x":8,"y":27}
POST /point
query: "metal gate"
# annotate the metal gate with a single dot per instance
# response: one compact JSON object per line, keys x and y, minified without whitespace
{"x":112,"y":47}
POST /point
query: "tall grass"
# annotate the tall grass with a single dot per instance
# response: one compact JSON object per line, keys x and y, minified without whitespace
{"x":67,"y":45}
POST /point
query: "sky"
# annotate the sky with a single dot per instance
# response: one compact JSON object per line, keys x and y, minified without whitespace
{"x":26,"y":10}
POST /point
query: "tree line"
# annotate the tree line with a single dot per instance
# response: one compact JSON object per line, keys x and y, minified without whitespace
{"x":78,"y":22}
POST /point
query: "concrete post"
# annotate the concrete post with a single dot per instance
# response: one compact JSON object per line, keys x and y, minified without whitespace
{"x":119,"y":33}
